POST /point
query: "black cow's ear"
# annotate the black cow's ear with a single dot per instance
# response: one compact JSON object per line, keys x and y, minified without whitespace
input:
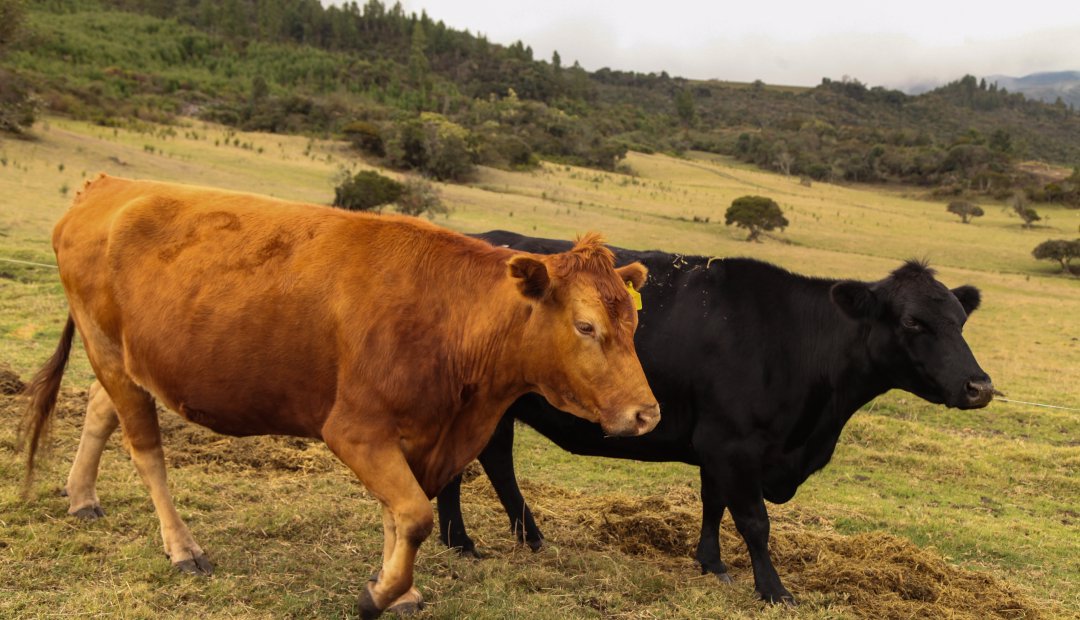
{"x":531,"y":274}
{"x":969,"y":297}
{"x":854,"y":298}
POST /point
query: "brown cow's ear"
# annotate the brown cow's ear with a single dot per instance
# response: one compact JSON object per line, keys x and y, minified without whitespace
{"x":856,"y":299}
{"x":634,"y":273}
{"x":969,"y":298}
{"x":532,"y":276}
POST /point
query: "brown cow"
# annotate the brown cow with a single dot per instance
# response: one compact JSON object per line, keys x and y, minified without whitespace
{"x":397,"y":342}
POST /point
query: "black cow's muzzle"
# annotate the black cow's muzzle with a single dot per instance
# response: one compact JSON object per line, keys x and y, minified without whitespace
{"x":978,"y":393}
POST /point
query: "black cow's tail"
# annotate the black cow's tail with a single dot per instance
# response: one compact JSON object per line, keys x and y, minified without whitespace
{"x":42,"y":391}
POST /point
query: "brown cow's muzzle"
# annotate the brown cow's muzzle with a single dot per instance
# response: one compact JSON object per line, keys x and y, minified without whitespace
{"x":632,"y":421}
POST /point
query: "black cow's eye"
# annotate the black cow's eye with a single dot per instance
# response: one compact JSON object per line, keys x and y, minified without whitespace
{"x":584,"y":328}
{"x":912,"y":324}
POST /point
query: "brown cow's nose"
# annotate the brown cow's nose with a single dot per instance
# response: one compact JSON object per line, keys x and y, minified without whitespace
{"x":979,"y":392}
{"x":631,"y":421}
{"x":647,"y":418}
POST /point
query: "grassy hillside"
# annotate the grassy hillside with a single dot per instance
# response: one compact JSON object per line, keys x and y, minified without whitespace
{"x":295,"y":66}
{"x":924,"y":512}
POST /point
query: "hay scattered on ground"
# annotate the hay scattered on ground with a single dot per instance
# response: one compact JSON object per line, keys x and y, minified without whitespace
{"x":10,"y":382}
{"x":869,"y":575}
{"x":875,"y":574}
{"x":188,"y":444}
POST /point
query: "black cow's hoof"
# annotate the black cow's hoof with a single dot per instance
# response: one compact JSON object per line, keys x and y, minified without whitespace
{"x":89,"y":513}
{"x":470,"y":552}
{"x":783,"y":598}
{"x":724,"y":578}
{"x":366,"y":605}
{"x":535,"y":545}
{"x":196,"y":566}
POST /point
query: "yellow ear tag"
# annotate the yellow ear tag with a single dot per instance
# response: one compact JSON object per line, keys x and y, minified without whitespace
{"x":634,"y":295}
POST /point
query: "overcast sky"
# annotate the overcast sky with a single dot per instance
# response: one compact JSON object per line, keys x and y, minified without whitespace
{"x":896,"y":44}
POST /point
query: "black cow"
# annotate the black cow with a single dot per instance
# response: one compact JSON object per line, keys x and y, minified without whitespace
{"x":756,"y":370}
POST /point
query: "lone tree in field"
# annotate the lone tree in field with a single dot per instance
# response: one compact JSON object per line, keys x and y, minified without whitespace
{"x":366,"y":190}
{"x":1061,"y":250}
{"x":965,"y":210}
{"x":1027,"y":214}
{"x":756,"y":214}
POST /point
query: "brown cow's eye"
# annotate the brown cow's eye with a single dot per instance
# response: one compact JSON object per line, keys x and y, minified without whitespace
{"x":585,"y":329}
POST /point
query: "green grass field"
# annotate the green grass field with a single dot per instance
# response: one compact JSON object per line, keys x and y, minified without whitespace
{"x":924,"y":511}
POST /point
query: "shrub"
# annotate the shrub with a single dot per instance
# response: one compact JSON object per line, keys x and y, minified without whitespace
{"x":18,"y":105}
{"x":366,"y":137}
{"x":1027,"y":214}
{"x":420,"y":196}
{"x":366,"y":190}
{"x":432,"y":145}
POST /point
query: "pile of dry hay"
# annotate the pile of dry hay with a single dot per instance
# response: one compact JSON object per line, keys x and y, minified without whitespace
{"x":10,"y":382}
{"x":873,"y":575}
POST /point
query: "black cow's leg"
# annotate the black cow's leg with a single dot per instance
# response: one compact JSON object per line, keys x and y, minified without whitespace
{"x":712,"y":511}
{"x":498,"y":462}
{"x":752,"y":520}
{"x":451,"y":524}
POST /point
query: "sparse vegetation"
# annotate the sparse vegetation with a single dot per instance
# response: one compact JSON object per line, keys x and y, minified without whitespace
{"x":1028,"y":216}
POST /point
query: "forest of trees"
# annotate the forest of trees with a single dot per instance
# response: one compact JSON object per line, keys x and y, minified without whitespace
{"x":416,"y":86}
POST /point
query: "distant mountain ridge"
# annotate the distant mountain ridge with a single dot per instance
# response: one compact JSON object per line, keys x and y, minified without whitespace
{"x":1045,"y":86}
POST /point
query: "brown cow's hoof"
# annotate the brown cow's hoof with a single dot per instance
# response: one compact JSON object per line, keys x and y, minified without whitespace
{"x":366,"y":605}
{"x":89,"y":513}
{"x":724,"y":578}
{"x":407,"y":608}
{"x":195,"y":566}
{"x":407,"y":604}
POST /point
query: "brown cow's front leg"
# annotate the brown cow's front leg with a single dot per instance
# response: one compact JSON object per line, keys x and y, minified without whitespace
{"x":407,"y":516}
{"x":139,"y":422}
{"x":100,"y":422}
{"x":412,"y":601}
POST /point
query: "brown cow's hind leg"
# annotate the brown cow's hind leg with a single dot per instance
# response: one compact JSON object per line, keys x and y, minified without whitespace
{"x":382,"y":468}
{"x":101,"y":421}
{"x":139,"y":422}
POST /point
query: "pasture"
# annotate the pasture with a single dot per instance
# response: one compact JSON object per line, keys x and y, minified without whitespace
{"x":923,"y":512}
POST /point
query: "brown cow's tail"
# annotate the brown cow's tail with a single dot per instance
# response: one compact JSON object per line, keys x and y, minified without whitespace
{"x":42,"y":391}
